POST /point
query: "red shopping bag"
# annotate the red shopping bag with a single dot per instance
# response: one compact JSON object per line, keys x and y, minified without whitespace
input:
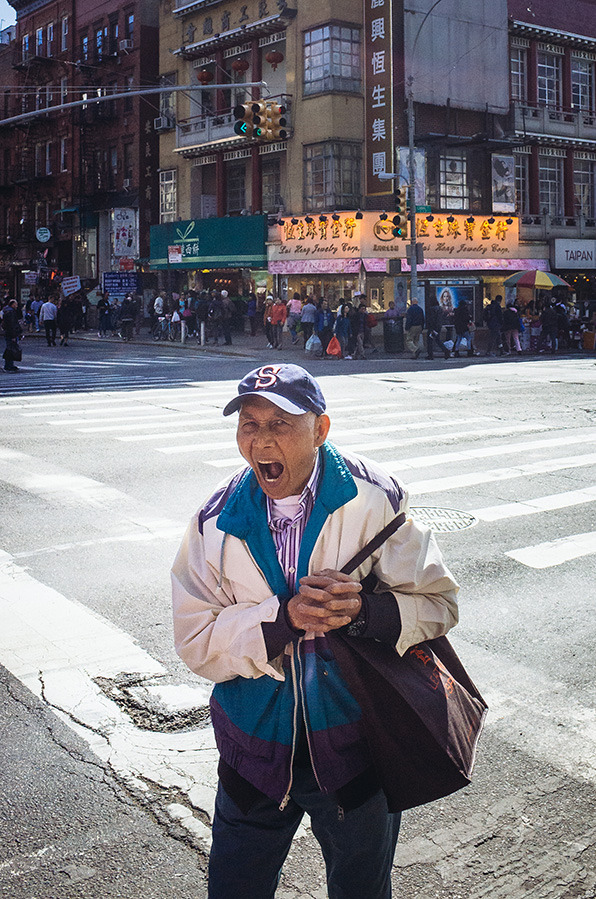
{"x":334,"y":347}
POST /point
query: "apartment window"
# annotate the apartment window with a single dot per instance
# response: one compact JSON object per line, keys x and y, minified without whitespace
{"x":550,"y":67}
{"x":39,"y":98}
{"x":582,"y":84}
{"x":50,"y":38}
{"x":522,"y":183}
{"x":113,"y":36}
{"x":48,"y":157}
{"x":167,"y":102}
{"x":63,"y":154}
{"x":453,"y":191}
{"x":519,"y":70}
{"x":129,"y":26}
{"x":39,"y":42}
{"x":271,"y":177}
{"x":236,"y":188}
{"x":25,"y":47}
{"x":84,"y":47}
{"x":550,"y":173}
{"x":332,"y":59}
{"x":64,"y":89}
{"x":127,"y":161}
{"x":49,"y":94}
{"x":40,"y":209}
{"x":332,"y":176}
{"x":584,"y":182}
{"x":64,"y":33}
{"x":167,"y":196}
{"x":98,"y":43}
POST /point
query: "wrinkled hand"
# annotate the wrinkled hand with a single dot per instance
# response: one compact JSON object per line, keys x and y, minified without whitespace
{"x":327,"y":600}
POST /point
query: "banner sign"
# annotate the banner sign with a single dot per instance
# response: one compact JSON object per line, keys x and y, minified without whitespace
{"x":343,"y":236}
{"x":503,"y":183}
{"x":71,"y":285}
{"x":378,"y":94}
{"x":118,"y":284}
{"x":125,"y":236}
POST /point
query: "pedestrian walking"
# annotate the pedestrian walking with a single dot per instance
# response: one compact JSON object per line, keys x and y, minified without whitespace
{"x":324,"y":324}
{"x":512,"y":325}
{"x":36,"y":305}
{"x":127,"y":317}
{"x":65,"y":319}
{"x":493,"y":317}
{"x":549,"y":334}
{"x":48,"y":315}
{"x":13,"y":332}
{"x":343,"y":329}
{"x":307,"y":319}
{"x":279,"y":315}
{"x":434,"y":324}
{"x":464,"y":328}
{"x":294,"y":315}
{"x":259,"y":602}
{"x":227,"y":312}
{"x":215,"y":318}
{"x":413,"y":327}
{"x":251,"y":313}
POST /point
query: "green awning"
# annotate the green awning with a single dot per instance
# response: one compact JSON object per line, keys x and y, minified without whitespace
{"x":238,"y":242}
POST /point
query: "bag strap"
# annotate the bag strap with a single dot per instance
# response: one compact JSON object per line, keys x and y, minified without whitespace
{"x":373,"y":544}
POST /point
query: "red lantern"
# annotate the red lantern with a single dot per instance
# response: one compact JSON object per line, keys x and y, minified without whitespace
{"x":204,"y":76}
{"x":240,"y":65}
{"x":274,"y":57}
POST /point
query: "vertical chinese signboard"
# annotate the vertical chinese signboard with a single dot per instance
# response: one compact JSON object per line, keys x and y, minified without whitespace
{"x":378,"y":85}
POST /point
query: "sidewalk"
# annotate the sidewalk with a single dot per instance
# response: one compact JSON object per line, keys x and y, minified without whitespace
{"x":245,"y":346}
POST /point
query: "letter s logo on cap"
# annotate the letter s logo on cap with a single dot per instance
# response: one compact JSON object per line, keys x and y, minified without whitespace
{"x":267,"y":376}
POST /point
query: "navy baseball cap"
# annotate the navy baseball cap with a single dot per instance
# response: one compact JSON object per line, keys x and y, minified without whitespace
{"x":290,"y":387}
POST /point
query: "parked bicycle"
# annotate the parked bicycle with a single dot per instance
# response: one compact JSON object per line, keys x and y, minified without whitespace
{"x":163,"y":328}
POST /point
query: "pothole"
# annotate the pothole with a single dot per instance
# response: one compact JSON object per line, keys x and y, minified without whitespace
{"x":148,"y":707}
{"x":442,"y":521}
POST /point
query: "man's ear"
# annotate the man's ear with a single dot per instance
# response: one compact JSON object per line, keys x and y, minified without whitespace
{"x":322,"y":425}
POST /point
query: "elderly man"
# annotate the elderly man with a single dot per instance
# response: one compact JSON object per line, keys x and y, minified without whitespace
{"x":257,"y":595}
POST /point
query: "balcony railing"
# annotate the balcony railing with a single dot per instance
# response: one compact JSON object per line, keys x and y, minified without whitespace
{"x":207,"y":129}
{"x":545,"y":227}
{"x":549,"y":120}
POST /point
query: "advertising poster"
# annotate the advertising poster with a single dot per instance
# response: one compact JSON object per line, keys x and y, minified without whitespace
{"x":503,"y":181}
{"x":450,"y":296}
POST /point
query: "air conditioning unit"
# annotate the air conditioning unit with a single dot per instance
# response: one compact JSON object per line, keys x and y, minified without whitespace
{"x":163,"y":123}
{"x":126,"y":183}
{"x":126,"y":45}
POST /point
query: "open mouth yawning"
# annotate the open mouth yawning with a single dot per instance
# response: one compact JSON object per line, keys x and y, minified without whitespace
{"x":271,"y":471}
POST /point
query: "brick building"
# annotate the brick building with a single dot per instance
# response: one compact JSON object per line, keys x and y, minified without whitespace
{"x":79,"y":173}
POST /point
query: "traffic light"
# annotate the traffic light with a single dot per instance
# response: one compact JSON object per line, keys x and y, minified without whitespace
{"x":275,"y":128}
{"x":250,"y":118}
{"x":243,"y":113}
{"x":400,"y":221}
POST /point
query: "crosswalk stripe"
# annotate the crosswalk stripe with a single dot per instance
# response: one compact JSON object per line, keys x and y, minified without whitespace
{"x":472,"y":479}
{"x":555,"y":552}
{"x":415,"y":461}
{"x":534,"y":506}
{"x":485,"y":452}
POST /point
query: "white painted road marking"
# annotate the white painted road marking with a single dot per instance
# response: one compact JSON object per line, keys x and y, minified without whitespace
{"x":556,"y":552}
{"x":534,"y":506}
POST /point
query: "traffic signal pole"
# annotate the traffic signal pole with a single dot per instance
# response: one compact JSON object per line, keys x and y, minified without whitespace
{"x":412,"y":196}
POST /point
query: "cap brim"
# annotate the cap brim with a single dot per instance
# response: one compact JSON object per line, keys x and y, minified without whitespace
{"x":280,"y":401}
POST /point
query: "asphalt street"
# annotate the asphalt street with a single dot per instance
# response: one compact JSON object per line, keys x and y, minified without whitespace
{"x":107,"y":762}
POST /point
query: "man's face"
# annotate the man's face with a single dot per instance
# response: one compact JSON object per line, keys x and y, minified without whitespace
{"x":279,"y":447}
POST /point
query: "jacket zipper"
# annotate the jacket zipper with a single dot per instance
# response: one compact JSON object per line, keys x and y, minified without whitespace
{"x":286,"y":798}
{"x":310,"y":749}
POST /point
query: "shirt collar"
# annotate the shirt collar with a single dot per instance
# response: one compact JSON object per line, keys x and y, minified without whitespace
{"x":311,"y":490}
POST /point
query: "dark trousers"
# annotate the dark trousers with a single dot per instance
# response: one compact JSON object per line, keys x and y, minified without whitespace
{"x":227,"y":331}
{"x":8,"y":360}
{"x":248,"y":851}
{"x":50,"y":327}
{"x":307,"y":329}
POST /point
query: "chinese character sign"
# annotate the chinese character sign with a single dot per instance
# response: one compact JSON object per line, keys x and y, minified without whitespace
{"x":378,"y":87}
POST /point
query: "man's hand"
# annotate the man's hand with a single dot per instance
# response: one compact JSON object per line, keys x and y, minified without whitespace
{"x":327,"y":600}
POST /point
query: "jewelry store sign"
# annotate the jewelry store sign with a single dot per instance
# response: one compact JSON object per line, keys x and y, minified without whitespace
{"x":344,"y":236}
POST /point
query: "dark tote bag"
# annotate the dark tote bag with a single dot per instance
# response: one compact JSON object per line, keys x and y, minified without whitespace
{"x":13,"y":352}
{"x":422,"y":714}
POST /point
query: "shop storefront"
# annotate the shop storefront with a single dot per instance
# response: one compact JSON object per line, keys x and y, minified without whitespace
{"x":335,"y":255}
{"x":228,"y":253}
